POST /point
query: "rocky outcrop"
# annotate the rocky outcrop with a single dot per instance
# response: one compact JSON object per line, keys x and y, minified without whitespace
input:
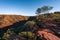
{"x":6,"y":20}
{"x":47,"y":34}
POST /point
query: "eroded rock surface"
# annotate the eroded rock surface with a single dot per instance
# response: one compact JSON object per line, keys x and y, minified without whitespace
{"x":6,"y":20}
{"x":47,"y":34}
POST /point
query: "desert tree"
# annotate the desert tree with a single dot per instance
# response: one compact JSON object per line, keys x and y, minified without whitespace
{"x":44,"y":9}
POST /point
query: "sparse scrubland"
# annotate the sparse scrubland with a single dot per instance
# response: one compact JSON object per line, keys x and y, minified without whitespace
{"x":41,"y":27}
{"x":46,"y":27}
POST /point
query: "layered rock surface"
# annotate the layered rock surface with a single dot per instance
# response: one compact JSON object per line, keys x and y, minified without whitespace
{"x":6,"y":20}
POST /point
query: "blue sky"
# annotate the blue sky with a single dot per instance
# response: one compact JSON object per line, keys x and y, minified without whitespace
{"x":26,"y":7}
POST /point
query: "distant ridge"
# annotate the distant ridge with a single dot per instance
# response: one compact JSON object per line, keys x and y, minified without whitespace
{"x":6,"y":20}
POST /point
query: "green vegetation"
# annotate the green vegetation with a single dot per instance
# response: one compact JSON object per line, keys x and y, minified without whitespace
{"x":29,"y":35}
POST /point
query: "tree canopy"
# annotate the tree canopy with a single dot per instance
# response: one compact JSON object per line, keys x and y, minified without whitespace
{"x":43,"y":9}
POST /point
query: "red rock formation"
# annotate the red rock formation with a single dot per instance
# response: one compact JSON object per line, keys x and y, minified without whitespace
{"x":6,"y":20}
{"x":47,"y":34}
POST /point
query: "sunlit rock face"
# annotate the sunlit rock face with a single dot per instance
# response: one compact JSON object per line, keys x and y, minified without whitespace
{"x":1,"y":19}
{"x":6,"y":20}
{"x":47,"y":34}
